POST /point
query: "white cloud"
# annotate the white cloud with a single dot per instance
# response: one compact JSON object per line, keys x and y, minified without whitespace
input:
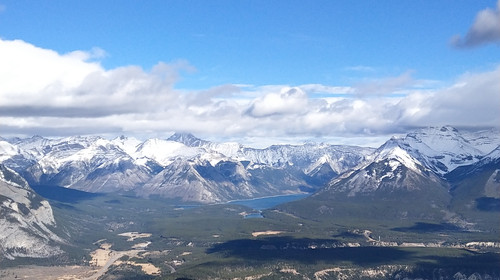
{"x":318,"y":88}
{"x":26,"y":69}
{"x":94,"y":53}
{"x":473,"y":100}
{"x":287,"y":101}
{"x":385,"y":86}
{"x":484,"y":30}
{"x":43,"y":92}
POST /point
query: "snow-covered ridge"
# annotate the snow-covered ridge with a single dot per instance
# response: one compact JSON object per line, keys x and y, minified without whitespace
{"x":229,"y":170}
{"x":54,"y":153}
{"x":180,"y":166}
{"x":443,"y":149}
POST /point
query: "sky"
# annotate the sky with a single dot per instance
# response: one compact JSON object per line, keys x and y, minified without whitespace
{"x":257,"y":72}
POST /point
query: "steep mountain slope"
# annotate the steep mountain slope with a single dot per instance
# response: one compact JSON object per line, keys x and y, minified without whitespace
{"x":476,"y":191}
{"x":26,"y":220}
{"x":393,"y":185}
{"x":86,"y":163}
{"x":197,"y":181}
{"x":306,"y":157}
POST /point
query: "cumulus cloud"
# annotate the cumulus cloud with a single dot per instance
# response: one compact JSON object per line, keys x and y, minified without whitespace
{"x":484,"y":30}
{"x":39,"y":81}
{"x":44,"y":68}
{"x":473,"y":100}
{"x":288,"y":101}
{"x":43,"y":92}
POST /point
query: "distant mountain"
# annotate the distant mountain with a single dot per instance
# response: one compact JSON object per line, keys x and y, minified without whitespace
{"x":90,"y":164}
{"x":442,"y":149}
{"x":410,"y":178}
{"x":26,"y":221}
{"x":181,"y":166}
{"x":189,"y":140}
{"x":393,"y":185}
{"x":188,"y":168}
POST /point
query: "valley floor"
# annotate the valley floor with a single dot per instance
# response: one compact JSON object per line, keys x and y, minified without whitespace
{"x":273,"y":254}
{"x":118,"y":237}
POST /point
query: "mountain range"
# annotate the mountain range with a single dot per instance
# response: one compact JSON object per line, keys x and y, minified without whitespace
{"x":180,"y":167}
{"x":434,"y":174}
{"x":438,"y":175}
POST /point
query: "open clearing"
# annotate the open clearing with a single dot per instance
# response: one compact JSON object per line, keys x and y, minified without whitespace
{"x":134,"y":235}
{"x":268,"y":232}
{"x":102,"y":259}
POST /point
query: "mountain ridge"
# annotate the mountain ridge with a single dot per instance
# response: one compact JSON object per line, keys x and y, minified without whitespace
{"x":125,"y":164}
{"x":405,"y":179}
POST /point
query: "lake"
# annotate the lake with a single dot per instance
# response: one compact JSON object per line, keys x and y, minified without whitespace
{"x":263,"y":203}
{"x":258,"y":204}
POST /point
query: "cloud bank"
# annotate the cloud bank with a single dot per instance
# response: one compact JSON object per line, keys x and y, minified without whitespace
{"x":484,"y":30}
{"x":51,"y":94}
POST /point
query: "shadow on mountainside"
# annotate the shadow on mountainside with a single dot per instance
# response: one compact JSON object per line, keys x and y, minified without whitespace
{"x":62,"y":194}
{"x":469,"y":265}
{"x":489,"y":204}
{"x":428,"y":227}
{"x":307,"y":250}
{"x":412,"y":263}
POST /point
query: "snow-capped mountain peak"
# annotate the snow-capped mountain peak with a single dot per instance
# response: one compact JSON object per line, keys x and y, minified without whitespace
{"x":187,"y":139}
{"x":399,"y":155}
{"x":127,"y":144}
{"x":165,"y":151}
{"x":442,"y":149}
{"x":100,"y":165}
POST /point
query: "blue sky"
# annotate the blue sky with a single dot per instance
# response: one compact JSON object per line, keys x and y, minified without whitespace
{"x":390,"y":50}
{"x":259,"y":42}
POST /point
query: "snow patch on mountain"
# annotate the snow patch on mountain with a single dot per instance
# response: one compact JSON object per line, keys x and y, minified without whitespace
{"x":97,"y":164}
{"x":7,"y":150}
{"x":397,"y":156}
{"x":128,"y":144}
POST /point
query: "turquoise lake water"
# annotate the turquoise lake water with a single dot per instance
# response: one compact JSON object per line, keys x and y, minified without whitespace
{"x":259,"y":204}
{"x":268,"y":202}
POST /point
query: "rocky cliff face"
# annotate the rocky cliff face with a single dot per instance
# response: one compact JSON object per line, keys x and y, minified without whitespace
{"x":26,"y":220}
